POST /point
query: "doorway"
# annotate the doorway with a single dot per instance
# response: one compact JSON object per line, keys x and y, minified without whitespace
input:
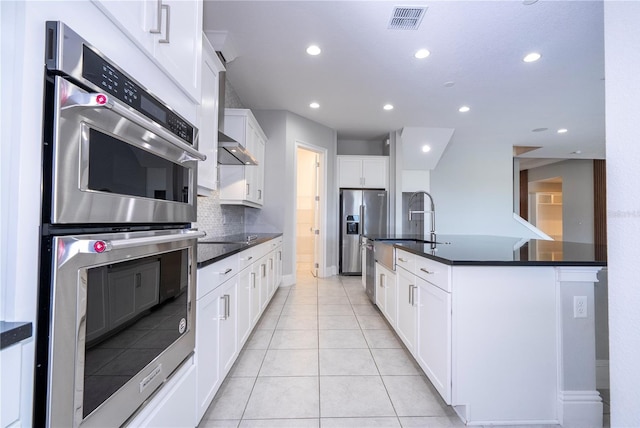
{"x":309,"y":179}
{"x":545,"y":212}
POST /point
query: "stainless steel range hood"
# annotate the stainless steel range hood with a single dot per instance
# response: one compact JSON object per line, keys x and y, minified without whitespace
{"x":230,"y":152}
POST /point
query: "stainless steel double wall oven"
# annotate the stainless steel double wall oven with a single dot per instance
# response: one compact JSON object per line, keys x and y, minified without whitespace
{"x":118,"y":262}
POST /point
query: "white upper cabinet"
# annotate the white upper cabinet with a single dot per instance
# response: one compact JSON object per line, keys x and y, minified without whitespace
{"x":363,"y":172}
{"x":244,"y":184}
{"x":208,"y":119}
{"x":168,"y":31}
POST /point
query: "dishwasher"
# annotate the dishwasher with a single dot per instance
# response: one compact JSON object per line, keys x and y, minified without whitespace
{"x":370,"y":268}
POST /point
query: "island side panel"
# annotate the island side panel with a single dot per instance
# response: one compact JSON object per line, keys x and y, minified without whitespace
{"x":504,"y":344}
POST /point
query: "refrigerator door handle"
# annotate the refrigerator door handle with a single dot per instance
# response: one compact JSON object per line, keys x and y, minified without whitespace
{"x":362,"y":220}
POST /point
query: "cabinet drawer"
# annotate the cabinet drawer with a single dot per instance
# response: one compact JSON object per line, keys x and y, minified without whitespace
{"x":245,"y":258}
{"x":406,"y":260}
{"x":436,"y":273}
{"x":210,"y":277}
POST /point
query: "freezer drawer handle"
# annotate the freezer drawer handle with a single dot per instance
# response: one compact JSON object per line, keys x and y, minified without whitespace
{"x":428,"y":272}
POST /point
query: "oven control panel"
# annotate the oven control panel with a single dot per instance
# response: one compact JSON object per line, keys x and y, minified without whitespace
{"x":100,"y":72}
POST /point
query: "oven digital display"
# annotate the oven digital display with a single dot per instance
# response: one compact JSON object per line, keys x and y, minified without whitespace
{"x":150,"y":107}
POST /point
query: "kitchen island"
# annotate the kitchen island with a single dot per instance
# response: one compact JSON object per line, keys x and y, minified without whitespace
{"x":504,"y":328}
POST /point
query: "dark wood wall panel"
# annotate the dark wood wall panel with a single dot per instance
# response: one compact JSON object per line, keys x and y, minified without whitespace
{"x":600,"y":208}
{"x":524,"y":194}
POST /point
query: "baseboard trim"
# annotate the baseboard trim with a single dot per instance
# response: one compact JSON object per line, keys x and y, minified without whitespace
{"x":580,"y":409}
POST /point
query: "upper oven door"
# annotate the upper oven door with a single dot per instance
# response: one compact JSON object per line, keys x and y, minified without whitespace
{"x":110,"y":164}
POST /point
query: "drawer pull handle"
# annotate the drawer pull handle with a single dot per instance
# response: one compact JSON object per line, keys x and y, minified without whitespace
{"x":226,"y":271}
{"x":427,"y":271}
{"x":402,"y":260}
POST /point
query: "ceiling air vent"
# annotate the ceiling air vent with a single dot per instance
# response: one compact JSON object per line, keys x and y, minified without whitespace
{"x":406,"y":18}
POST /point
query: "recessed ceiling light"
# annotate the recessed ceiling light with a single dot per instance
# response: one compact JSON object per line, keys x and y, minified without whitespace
{"x":577,"y":152}
{"x":449,"y":84}
{"x":313,"y":50}
{"x":314,"y":105}
{"x":529,"y":2}
{"x":388,"y":107}
{"x":562,"y":130}
{"x":464,"y":109}
{"x":532,"y":57}
{"x":422,"y":53}
{"x":425,"y":148}
{"x":539,"y":129}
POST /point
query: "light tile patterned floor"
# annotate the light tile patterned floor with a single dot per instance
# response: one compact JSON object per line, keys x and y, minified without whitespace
{"x":323,"y":356}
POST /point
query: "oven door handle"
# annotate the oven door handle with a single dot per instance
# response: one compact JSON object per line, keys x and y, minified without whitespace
{"x":103,"y":100}
{"x":118,"y":244}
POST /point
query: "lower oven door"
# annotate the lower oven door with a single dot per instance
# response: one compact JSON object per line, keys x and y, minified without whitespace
{"x":122,"y":321}
{"x":106,"y":163}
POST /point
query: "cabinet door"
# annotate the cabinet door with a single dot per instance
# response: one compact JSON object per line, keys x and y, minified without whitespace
{"x":131,"y":17}
{"x":406,"y":322}
{"x":349,"y":172}
{"x":374,"y":173}
{"x":381,"y":296}
{"x":255,"y":293}
{"x":434,"y":336}
{"x":259,"y":172}
{"x":278,"y":280}
{"x":207,"y":342}
{"x":386,"y":289}
{"x":264,"y":283}
{"x":178,"y":46}
{"x":208,"y":115}
{"x":244,"y":306}
{"x":228,"y":326}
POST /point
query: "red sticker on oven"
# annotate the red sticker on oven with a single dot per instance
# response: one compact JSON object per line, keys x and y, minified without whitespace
{"x":101,"y":99}
{"x":183,"y":325}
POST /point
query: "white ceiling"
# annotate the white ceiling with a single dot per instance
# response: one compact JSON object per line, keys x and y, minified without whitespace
{"x":479,"y":45}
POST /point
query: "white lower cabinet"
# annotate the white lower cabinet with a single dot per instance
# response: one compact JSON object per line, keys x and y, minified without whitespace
{"x":207,"y":340}
{"x":172,"y":406}
{"x":244,"y":310}
{"x":228,"y":339}
{"x":407,"y":313}
{"x":434,"y":336}
{"x":386,"y":293}
{"x":232,"y":294}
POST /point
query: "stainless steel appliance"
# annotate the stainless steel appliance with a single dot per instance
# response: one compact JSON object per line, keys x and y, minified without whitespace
{"x":118,"y":257}
{"x":362,"y":213}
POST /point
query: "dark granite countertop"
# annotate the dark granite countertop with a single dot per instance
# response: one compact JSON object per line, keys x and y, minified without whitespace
{"x":498,"y":251}
{"x":14,"y":332}
{"x":215,"y":248}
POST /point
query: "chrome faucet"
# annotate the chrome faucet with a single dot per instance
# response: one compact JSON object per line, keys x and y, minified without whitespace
{"x":432,"y":234}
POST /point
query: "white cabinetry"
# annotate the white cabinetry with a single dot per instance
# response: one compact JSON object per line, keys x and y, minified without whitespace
{"x":434,"y":336}
{"x":172,"y":406}
{"x":386,"y":291}
{"x":231,"y":295}
{"x":208,"y":119}
{"x":407,"y":313}
{"x":366,"y":172}
{"x":244,"y":185}
{"x":168,"y":31}
{"x":228,"y":346}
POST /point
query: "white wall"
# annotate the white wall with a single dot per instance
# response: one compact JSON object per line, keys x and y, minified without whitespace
{"x":284,"y":129}
{"x":363,"y":147}
{"x":472,"y":190}
{"x":622,"y":62}
{"x":577,"y":196}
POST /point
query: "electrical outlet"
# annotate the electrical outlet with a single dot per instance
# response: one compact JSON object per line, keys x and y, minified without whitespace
{"x":579,"y":306}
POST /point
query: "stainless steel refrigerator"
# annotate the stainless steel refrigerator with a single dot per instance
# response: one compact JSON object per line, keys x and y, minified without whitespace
{"x":362,"y":212}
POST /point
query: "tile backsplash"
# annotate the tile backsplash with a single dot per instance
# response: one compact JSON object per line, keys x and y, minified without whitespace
{"x":219,"y":220}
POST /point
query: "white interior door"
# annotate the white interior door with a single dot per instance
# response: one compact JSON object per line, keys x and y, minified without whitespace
{"x":316,"y":214}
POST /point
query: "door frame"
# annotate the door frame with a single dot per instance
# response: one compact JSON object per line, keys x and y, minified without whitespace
{"x":322,"y":205}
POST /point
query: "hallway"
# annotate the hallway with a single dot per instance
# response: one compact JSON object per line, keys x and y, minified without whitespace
{"x":322,"y":355}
